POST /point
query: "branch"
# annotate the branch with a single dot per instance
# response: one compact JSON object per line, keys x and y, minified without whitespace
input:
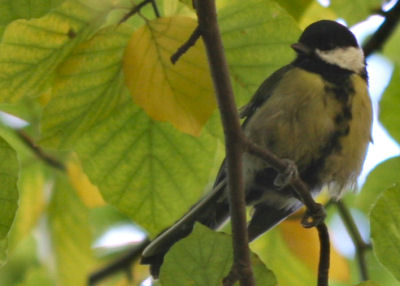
{"x":360,"y":245}
{"x":378,"y":39}
{"x":46,"y":158}
{"x":155,"y":8}
{"x":187,"y":45}
{"x":121,"y":264}
{"x":137,"y":8}
{"x":207,"y":17}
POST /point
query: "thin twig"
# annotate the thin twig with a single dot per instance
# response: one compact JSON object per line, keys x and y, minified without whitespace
{"x":378,"y":39}
{"x":186,"y":46}
{"x":46,"y":158}
{"x":207,"y":17}
{"x":324,"y":255}
{"x":136,"y":9}
{"x":121,"y":264}
{"x":359,"y":243}
{"x":155,"y":8}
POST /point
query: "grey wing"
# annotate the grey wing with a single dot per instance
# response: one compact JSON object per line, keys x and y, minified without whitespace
{"x":263,"y":93}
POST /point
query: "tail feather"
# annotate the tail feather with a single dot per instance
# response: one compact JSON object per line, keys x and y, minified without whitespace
{"x":212,"y":211}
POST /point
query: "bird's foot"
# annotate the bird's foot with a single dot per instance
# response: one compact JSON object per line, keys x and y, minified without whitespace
{"x":283,"y":179}
{"x":314,"y":217}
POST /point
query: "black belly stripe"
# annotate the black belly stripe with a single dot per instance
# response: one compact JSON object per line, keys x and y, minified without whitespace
{"x":343,"y":92}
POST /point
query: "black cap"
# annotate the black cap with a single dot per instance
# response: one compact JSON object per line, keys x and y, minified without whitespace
{"x":327,"y":35}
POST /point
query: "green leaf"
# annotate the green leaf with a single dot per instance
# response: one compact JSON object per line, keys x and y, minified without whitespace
{"x":147,"y":169}
{"x":385,"y":229}
{"x":257,"y":35}
{"x":70,"y":236}
{"x":389,"y":105}
{"x":295,"y":8}
{"x":8,"y":193}
{"x":391,"y":48}
{"x":205,"y":258}
{"x":37,"y":276}
{"x":31,"y":50}
{"x":368,"y":283}
{"x":31,"y":203}
{"x":87,"y":88}
{"x":11,"y":10}
{"x":383,"y":176}
{"x":287,"y":267}
{"x":355,"y":11}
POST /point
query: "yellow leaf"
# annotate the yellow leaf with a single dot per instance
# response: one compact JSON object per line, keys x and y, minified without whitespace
{"x":314,"y":13}
{"x":88,"y":192}
{"x":181,"y":94}
{"x":304,"y":243}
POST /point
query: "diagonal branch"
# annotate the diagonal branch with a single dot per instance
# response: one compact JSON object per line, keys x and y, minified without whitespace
{"x":120,"y":264}
{"x":378,"y":39}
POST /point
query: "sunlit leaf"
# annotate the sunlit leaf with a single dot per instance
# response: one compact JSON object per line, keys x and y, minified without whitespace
{"x":316,"y":12}
{"x":37,"y":276}
{"x":389,"y":105}
{"x":256,"y":35}
{"x":182,"y":93}
{"x":31,"y":203}
{"x":391,"y":47}
{"x":32,"y":49}
{"x":87,"y":88}
{"x":385,"y":229}
{"x":355,"y":11}
{"x":178,"y":7}
{"x":304,"y":243}
{"x":70,"y":236}
{"x":383,"y":176}
{"x":19,"y":263}
{"x":368,"y":283}
{"x":8,"y":192}
{"x":16,"y":9}
{"x":287,"y":267}
{"x":205,"y":258}
{"x":88,"y":192}
{"x":295,"y":8}
{"x":147,"y":169}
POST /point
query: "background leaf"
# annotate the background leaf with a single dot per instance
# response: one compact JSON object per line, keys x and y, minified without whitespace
{"x":383,"y":176}
{"x":8,"y":193}
{"x":26,"y":9}
{"x":70,"y":236}
{"x":31,"y":50}
{"x":179,"y":93}
{"x":295,"y":8}
{"x":385,"y":229}
{"x":147,"y":169}
{"x":389,"y":105}
{"x":256,"y":35}
{"x":205,"y":258}
{"x":355,"y":11}
{"x":87,"y":88}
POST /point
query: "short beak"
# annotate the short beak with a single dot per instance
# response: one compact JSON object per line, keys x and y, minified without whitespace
{"x":301,"y":48}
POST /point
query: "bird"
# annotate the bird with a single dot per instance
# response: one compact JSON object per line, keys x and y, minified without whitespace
{"x":314,"y":111}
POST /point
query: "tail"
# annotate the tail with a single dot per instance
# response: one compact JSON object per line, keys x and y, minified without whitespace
{"x":212,"y":211}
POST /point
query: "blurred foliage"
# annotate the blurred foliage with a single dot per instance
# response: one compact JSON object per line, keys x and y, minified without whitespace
{"x":93,"y":92}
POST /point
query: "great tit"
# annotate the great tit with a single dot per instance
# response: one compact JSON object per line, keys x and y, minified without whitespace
{"x":315,"y":111}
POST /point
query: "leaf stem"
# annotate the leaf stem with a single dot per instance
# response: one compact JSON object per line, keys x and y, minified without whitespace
{"x":359,"y":243}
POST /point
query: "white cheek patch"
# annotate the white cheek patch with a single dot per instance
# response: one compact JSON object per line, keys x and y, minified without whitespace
{"x":350,"y":58}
